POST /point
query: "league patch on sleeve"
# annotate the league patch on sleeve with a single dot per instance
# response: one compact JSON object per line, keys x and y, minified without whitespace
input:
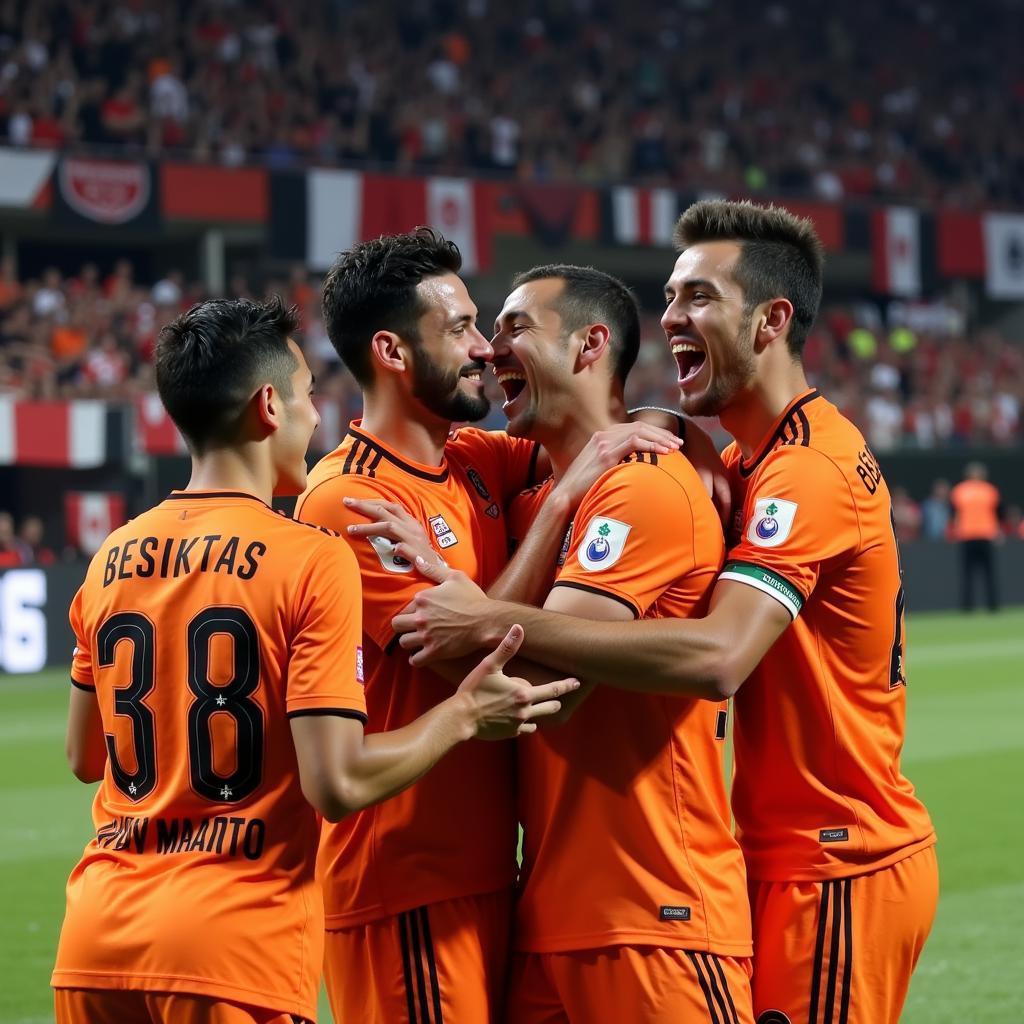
{"x":771,"y":522}
{"x":602,"y":544}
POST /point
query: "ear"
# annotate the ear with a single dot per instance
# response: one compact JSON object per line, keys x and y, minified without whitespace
{"x":773,"y":322}
{"x":266,"y":404}
{"x":389,"y":352}
{"x":594,"y":345}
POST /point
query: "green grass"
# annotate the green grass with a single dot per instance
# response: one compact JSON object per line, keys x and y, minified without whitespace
{"x":964,"y":752}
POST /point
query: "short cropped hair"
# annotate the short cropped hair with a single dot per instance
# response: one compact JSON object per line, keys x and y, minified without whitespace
{"x":592,"y":296}
{"x":372,"y":287}
{"x":781,"y":255}
{"x":211,"y":360}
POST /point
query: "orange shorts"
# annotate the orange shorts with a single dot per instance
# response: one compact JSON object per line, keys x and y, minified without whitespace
{"x":117,"y":1006}
{"x":639,"y":984}
{"x":446,"y":963}
{"x":842,"y":951}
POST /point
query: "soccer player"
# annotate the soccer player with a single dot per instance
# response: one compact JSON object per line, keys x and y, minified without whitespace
{"x":418,"y":891}
{"x":632,"y":898}
{"x":805,"y":627}
{"x":217,"y":689}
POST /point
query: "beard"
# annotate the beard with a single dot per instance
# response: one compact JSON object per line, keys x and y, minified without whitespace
{"x":437,"y":389}
{"x":728,"y":381}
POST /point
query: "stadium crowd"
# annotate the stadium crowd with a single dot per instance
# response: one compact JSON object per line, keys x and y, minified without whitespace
{"x":903,"y":100}
{"x":85,"y":336}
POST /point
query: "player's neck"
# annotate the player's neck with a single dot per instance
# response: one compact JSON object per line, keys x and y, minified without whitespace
{"x":564,"y":441}
{"x":417,"y":437}
{"x":232,"y":469}
{"x":751,"y":415}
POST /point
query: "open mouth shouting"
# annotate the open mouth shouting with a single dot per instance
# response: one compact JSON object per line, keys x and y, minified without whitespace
{"x":512,"y":382}
{"x":690,"y":358}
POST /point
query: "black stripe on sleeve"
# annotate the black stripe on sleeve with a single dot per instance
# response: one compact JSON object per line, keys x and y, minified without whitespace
{"x":573,"y":585}
{"x":435,"y":988}
{"x":844,"y":1003}
{"x":725,"y":987}
{"x":371,"y":470}
{"x":410,"y":999}
{"x":819,"y":949}
{"x":362,"y":460}
{"x":352,"y":452}
{"x":335,"y":712}
{"x":705,"y":988}
{"x":833,"y":953}
{"x":805,"y":423}
{"x":417,"y":957}
{"x":83,"y":686}
{"x":719,"y":998}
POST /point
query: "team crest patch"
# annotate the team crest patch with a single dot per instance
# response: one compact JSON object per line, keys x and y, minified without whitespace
{"x":385,"y":549}
{"x":602,"y":544}
{"x":771,"y":522}
{"x":442,"y":532}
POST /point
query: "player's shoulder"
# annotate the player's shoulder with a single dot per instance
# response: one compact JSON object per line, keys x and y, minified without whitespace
{"x":649,"y":473}
{"x":476,"y":442}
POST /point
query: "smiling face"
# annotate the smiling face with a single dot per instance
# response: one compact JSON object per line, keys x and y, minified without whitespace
{"x":533,"y":360}
{"x":450,"y":355}
{"x":708,"y":328}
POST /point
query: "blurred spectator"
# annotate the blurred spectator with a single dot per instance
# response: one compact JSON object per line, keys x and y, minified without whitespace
{"x":13,"y":552}
{"x":1013,"y":523}
{"x":906,"y":515}
{"x":936,"y":512}
{"x":31,"y":536}
{"x":976,"y":527}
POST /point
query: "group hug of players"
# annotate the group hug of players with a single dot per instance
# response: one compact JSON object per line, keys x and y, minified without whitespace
{"x":303,"y":727}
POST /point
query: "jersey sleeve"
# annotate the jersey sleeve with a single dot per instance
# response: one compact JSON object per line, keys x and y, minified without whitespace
{"x":800,"y":517}
{"x":633,"y":535}
{"x":81,"y":658}
{"x":389,"y":582}
{"x":325,"y":655}
{"x":512,"y":461}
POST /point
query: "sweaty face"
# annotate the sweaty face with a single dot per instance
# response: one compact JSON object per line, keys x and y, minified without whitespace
{"x":449,"y":359}
{"x":532,"y":359}
{"x":708,"y":328}
{"x":299,"y":419}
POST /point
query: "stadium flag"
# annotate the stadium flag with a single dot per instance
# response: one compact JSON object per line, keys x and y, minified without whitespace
{"x":114,"y":193}
{"x":896,"y":251}
{"x":154,"y":431}
{"x":641,"y":216}
{"x":451,"y":209}
{"x":1004,"y":255}
{"x":25,"y":178}
{"x":89,"y":516}
{"x":334,"y":201}
{"x":550,"y":210}
{"x":68,"y":434}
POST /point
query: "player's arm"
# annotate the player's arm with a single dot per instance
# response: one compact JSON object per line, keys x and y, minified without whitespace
{"x":343,"y":770}
{"x":525,"y":577}
{"x":84,"y":744}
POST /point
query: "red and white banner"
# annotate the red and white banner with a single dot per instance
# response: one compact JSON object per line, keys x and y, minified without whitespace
{"x":89,"y":516}
{"x":63,"y":434}
{"x":1004,"y":255}
{"x":896,"y":251}
{"x":642,"y":216}
{"x":25,"y":178}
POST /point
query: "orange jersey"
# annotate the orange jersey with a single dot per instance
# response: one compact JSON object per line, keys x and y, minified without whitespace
{"x":203,"y":625}
{"x":818,"y":791}
{"x":976,"y":503}
{"x":624,"y":809}
{"x":452,"y":834}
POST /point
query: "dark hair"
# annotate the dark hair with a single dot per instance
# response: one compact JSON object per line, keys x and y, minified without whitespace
{"x":212,"y":359}
{"x":372,"y":287}
{"x":592,"y":296}
{"x":781,"y":255}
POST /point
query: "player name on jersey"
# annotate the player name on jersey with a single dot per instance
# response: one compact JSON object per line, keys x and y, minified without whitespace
{"x":227,"y":836}
{"x":167,"y":557}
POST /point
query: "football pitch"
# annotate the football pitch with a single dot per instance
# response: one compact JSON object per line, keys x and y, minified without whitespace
{"x":964,"y":752}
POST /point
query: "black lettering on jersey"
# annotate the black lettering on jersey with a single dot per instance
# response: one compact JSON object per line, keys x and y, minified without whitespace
{"x":209,"y":538}
{"x":237,"y":823}
{"x":255,"y":835}
{"x":167,"y":834}
{"x":181,"y":558}
{"x":110,"y":569}
{"x":478,"y":485}
{"x":146,"y":548}
{"x":868,"y":470}
{"x":253,"y":553}
{"x":126,"y":555}
{"x":168,"y":548}
{"x":228,"y":556}
{"x":186,"y":835}
{"x":199,"y":842}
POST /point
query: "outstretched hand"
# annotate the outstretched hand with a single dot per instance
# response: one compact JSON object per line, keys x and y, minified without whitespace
{"x":505,"y":706}
{"x":444,"y":621}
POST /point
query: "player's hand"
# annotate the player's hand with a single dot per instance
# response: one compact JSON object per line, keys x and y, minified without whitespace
{"x":704,"y":457}
{"x":443,"y":621}
{"x":393,"y":521}
{"x":504,"y":706}
{"x":607,"y":448}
